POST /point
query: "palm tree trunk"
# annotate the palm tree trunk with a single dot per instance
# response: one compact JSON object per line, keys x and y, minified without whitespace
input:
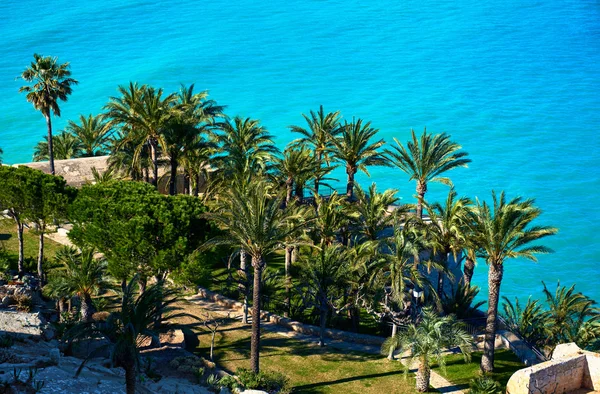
{"x":323,"y":322}
{"x":130,"y":378}
{"x":154,"y":158}
{"x":289,"y":189}
{"x":299,"y":193}
{"x":243,"y":273}
{"x":421,"y":190}
{"x":186,"y":184}
{"x":318,"y":160}
{"x":350,"y":185}
{"x":146,"y":175}
{"x":20,"y":238}
{"x":173,"y":179}
{"x":393,"y":348}
{"x":257,"y":263}
{"x":62,"y":307}
{"x":423,"y":375}
{"x":495,"y":273}
{"x":40,"y":261}
{"x":468,"y":269}
{"x":50,"y":143}
{"x":197,"y":186}
{"x":87,"y":308}
{"x":288,"y":279}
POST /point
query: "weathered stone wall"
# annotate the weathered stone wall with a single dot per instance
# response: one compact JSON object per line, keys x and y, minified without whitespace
{"x":570,"y":369}
{"x":21,"y":323}
{"x":75,"y":171}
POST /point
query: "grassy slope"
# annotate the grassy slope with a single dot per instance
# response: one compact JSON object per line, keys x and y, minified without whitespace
{"x":310,"y":368}
{"x":10,"y":244}
{"x":459,"y":372}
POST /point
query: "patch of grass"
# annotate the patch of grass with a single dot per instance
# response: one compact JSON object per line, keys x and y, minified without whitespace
{"x":9,"y":244}
{"x":460,"y":373}
{"x":310,"y":368}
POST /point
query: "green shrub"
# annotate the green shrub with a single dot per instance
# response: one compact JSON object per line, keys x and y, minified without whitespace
{"x":267,"y":381}
{"x":195,"y":271}
{"x":483,"y":385}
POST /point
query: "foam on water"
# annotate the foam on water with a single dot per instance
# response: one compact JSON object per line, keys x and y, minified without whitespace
{"x":515,"y":83}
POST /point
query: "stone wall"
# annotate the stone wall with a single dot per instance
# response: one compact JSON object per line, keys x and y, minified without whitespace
{"x":22,"y":324}
{"x":569,"y":370}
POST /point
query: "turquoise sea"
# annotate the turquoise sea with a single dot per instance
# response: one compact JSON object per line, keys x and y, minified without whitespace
{"x":517,"y":83}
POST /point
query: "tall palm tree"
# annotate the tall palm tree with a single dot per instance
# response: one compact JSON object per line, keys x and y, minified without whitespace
{"x":253,"y":220}
{"x":123,"y":158}
{"x":140,"y":316}
{"x":426,"y":159}
{"x":245,"y":145}
{"x":83,"y":275}
{"x":446,"y":233}
{"x":331,"y":215}
{"x":428,"y":341}
{"x":354,"y":148}
{"x":1,"y":153}
{"x":371,"y":210}
{"x":322,"y":129}
{"x":51,"y":82}
{"x":504,"y":231}
{"x":93,"y":133}
{"x":65,"y":145}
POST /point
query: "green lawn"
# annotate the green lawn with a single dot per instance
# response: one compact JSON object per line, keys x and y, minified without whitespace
{"x":9,"y":245}
{"x":459,"y":372}
{"x":310,"y":368}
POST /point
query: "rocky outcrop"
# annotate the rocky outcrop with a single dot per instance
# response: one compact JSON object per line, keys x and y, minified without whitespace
{"x":570,"y":369}
{"x":22,"y":324}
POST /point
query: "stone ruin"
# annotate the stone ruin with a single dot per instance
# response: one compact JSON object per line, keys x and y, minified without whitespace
{"x":571,"y":370}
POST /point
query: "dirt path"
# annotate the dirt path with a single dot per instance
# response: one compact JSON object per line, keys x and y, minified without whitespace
{"x":437,"y":381}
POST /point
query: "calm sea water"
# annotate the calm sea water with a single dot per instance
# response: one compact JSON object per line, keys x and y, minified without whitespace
{"x":516,"y":83}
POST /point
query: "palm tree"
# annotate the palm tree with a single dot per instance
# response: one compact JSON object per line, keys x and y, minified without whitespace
{"x":124,"y":161}
{"x":1,"y":153}
{"x":144,"y":112}
{"x":83,"y":275}
{"x":325,"y":272}
{"x":531,"y":322}
{"x":138,"y":318}
{"x":446,"y":231}
{"x":253,"y":220}
{"x":192,"y":113}
{"x":296,"y":164}
{"x":322,"y":129}
{"x":572,"y":316}
{"x":427,"y":342}
{"x":371,"y":210}
{"x":331,"y":215}
{"x":427,"y":158}
{"x":245,"y":145}
{"x":504,"y":231}
{"x":354,"y":148}
{"x":51,"y":82}
{"x":65,"y":145}
{"x":93,"y":133}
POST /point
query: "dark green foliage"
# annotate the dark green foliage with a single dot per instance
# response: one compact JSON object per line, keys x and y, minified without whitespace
{"x":531,"y":322}
{"x":460,"y":302}
{"x":137,"y":229}
{"x":6,"y":341}
{"x":196,"y":270}
{"x":271,"y":382}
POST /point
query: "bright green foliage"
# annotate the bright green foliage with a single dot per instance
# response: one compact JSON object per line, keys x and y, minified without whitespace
{"x":79,"y":274}
{"x":429,"y":339}
{"x":331,"y":215}
{"x":294,"y":168}
{"x":531,"y":322}
{"x":483,"y":385}
{"x":371,"y":215}
{"x":245,"y":146}
{"x":65,"y":145}
{"x":354,"y":147}
{"x":426,"y":158}
{"x":137,"y":229}
{"x":574,"y":317}
{"x":460,"y":301}
{"x":93,"y":134}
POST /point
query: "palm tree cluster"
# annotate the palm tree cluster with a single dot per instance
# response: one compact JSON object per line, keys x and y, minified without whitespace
{"x":345,"y":254}
{"x":565,"y":316}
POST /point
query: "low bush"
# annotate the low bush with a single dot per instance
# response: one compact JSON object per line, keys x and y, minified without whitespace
{"x":272,"y":382}
{"x":483,"y":385}
{"x":23,"y":302}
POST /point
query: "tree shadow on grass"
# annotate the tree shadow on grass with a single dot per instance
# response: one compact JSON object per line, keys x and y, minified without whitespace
{"x":5,"y":237}
{"x":314,"y":387}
